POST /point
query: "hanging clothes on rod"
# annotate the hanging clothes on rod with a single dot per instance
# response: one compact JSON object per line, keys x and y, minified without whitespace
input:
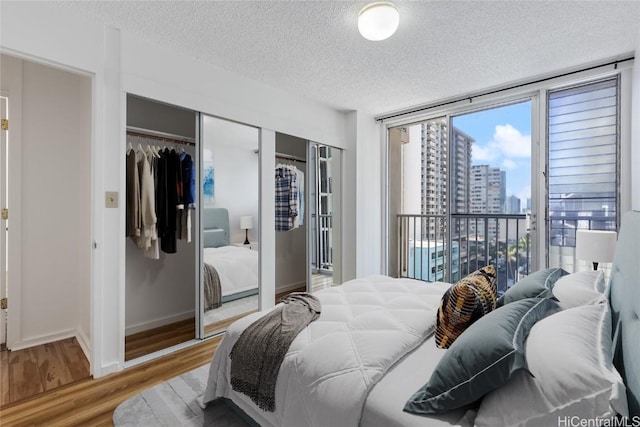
{"x":160,"y":189}
{"x":289,"y":198}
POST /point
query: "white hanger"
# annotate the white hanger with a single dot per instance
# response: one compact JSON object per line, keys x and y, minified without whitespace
{"x":129,"y":148}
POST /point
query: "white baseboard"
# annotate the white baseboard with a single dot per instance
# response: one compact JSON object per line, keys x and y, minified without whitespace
{"x":43,"y":339}
{"x":155,"y":323}
{"x":290,"y":287}
{"x":107,"y":369}
{"x":85,"y":344}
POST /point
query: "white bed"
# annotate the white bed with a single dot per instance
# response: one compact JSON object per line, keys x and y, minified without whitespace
{"x":373,"y":347}
{"x":379,"y":310}
{"x":237,"y":268}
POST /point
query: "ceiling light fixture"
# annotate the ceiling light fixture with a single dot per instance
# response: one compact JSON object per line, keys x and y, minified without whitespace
{"x":378,"y":21}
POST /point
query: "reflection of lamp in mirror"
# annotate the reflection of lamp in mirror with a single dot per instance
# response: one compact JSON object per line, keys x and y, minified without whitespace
{"x":246,"y":223}
{"x":595,"y":246}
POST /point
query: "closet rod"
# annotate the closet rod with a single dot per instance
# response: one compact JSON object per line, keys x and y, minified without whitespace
{"x":148,"y":133}
{"x":289,"y":157}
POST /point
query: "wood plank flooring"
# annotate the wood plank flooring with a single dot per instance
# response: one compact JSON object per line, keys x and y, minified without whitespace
{"x":45,"y":399}
{"x":152,"y":340}
{"x":91,"y":402}
{"x":39,"y":369}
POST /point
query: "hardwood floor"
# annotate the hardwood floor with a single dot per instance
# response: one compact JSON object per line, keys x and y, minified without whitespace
{"x":152,"y":340}
{"x":24,"y":373}
{"x":91,"y":402}
{"x":44,"y":399}
{"x":223,"y":324}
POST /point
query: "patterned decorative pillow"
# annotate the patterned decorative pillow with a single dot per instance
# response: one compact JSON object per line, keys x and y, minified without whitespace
{"x":465,"y":302}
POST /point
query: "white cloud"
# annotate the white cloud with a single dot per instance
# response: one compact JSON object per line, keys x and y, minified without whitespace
{"x":511,"y":142}
{"x":507,"y":143}
{"x":509,"y":164}
{"x":483,"y":154}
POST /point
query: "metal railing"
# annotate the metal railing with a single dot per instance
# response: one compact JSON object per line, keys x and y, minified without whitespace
{"x":562,"y":231}
{"x":324,"y":248}
{"x":429,"y":251}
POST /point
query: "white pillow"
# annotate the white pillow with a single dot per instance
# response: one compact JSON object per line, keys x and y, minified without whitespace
{"x":583,"y":287}
{"x":570,"y":357}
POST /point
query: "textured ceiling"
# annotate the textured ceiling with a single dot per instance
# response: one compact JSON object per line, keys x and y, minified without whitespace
{"x":442,"y":48}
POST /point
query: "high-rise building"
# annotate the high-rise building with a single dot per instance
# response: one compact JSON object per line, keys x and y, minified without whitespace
{"x":486,"y":188}
{"x":434,"y":186}
{"x":503,"y":190}
{"x":460,"y":169}
{"x":512,"y":205}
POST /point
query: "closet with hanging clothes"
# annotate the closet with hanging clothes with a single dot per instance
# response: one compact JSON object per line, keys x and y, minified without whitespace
{"x":290,"y":223}
{"x":161,"y":255}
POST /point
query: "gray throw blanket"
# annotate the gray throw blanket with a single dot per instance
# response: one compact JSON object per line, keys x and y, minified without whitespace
{"x":212,"y":288}
{"x":257,"y":355}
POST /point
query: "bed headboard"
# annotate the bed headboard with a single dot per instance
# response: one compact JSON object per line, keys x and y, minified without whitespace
{"x":214,"y":220}
{"x":625,"y":307}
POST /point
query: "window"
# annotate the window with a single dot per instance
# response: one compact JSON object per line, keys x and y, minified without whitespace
{"x":583,"y":167}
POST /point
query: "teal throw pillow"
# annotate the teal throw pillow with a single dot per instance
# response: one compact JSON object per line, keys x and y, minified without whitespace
{"x":535,"y":285}
{"x":482,"y":359}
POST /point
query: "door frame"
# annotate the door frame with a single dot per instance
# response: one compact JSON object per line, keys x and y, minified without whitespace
{"x":4,"y":114}
{"x":11,"y":87}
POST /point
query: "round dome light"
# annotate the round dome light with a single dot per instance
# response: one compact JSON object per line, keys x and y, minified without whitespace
{"x":378,"y":21}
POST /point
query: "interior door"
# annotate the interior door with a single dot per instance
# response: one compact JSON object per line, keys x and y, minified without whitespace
{"x":4,"y":222}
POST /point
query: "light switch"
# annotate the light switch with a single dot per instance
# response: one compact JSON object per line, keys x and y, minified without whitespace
{"x":111,"y":199}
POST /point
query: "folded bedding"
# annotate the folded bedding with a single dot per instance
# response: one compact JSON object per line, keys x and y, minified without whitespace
{"x":258,"y":353}
{"x":212,"y":287}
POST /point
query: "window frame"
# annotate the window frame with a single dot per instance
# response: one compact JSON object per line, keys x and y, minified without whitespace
{"x":538,"y":92}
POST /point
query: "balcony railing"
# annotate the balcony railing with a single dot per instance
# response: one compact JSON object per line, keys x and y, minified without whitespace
{"x":563,"y":228}
{"x":324,"y":244}
{"x":428,"y":251}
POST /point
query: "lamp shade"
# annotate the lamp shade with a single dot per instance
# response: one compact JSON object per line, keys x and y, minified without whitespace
{"x":246,"y":222}
{"x":595,"y":245}
{"x":378,"y":21}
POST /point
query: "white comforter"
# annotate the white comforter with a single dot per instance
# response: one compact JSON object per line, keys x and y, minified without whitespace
{"x":365,"y":327}
{"x":237,"y":267}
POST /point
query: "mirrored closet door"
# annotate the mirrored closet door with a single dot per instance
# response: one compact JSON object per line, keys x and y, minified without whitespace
{"x":229,"y":194}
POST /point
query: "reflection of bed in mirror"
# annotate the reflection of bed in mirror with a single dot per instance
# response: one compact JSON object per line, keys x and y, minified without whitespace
{"x":230,"y":272}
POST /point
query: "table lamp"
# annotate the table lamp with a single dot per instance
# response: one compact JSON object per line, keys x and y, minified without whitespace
{"x":595,"y":246}
{"x":246,"y":223}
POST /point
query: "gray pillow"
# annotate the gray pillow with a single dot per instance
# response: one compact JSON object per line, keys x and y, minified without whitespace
{"x":215,"y":238}
{"x":535,"y":285}
{"x":482,"y":359}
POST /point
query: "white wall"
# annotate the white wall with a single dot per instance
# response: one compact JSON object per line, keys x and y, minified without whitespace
{"x":162,"y":291}
{"x":121,"y":63}
{"x":635,"y":132}
{"x":55,"y":206}
{"x":236,"y":183}
{"x":369,"y":180}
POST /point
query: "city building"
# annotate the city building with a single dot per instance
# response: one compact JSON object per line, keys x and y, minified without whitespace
{"x":512,"y":205}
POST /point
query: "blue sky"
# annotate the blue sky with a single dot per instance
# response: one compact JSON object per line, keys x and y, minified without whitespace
{"x":503,"y":139}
